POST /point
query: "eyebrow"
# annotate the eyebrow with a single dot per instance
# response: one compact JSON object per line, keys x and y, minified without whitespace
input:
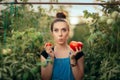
{"x":61,"y":28}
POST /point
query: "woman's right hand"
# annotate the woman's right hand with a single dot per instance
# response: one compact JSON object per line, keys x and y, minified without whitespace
{"x":48,"y":49}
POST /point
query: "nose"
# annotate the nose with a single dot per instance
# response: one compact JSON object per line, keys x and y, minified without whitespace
{"x":60,"y":33}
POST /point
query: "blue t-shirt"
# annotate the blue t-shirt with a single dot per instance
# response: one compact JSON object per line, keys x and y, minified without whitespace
{"x":62,"y":69}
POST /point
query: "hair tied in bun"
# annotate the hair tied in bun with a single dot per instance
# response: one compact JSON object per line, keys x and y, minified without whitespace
{"x":61,"y":15}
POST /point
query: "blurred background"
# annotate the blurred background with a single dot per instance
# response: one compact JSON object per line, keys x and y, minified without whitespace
{"x":25,"y":28}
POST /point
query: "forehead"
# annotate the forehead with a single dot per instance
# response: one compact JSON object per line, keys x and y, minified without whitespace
{"x":60,"y":24}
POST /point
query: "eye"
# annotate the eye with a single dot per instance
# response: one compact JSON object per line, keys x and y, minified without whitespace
{"x":55,"y":30}
{"x":64,"y":29}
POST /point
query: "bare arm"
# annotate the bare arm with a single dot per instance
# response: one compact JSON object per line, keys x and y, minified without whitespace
{"x":46,"y":71}
{"x":78,"y":70}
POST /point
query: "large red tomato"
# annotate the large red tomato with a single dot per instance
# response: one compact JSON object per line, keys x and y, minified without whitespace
{"x":80,"y":44}
{"x":75,"y":44}
{"x":48,"y":44}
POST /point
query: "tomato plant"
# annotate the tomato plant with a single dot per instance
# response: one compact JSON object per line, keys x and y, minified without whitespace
{"x":103,"y":44}
{"x":23,"y":33}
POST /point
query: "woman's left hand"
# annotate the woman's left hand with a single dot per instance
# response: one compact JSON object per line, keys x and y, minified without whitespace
{"x":73,"y":54}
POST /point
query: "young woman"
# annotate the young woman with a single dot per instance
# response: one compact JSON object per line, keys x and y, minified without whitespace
{"x":67,"y":64}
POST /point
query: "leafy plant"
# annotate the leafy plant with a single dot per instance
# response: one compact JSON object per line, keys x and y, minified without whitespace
{"x":102,"y":51}
{"x":24,"y":31}
{"x":21,"y":59}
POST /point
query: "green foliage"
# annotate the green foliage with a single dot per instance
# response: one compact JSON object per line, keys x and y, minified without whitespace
{"x":21,"y":43}
{"x":19,"y":67}
{"x":81,"y":32}
{"x":20,"y":59}
{"x":111,"y":8}
{"x":1,"y":29}
{"x":23,"y":33}
{"x":103,"y":31}
{"x":25,"y":41}
{"x":20,"y":18}
{"x":110,"y":68}
{"x":102,"y":50}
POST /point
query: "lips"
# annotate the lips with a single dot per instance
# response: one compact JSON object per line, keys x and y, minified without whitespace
{"x":60,"y":39}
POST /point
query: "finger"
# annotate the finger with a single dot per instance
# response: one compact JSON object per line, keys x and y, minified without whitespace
{"x":76,"y":50}
{"x":51,"y":51}
{"x":45,"y":45}
{"x":48,"y":47}
{"x":71,"y":50}
{"x":80,"y":49}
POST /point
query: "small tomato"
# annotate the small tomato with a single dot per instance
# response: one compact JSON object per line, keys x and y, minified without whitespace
{"x":48,"y":44}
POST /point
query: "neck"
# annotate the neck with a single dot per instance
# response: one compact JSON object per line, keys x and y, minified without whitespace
{"x":61,"y":46}
{"x":61,"y":50}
